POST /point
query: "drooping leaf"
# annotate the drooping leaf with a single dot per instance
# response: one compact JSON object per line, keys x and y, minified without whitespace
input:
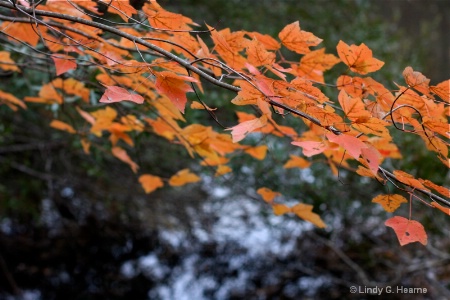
{"x":416,"y":80}
{"x":6,"y":63}
{"x":304,"y":211}
{"x":442,"y":90}
{"x":408,"y":179}
{"x":280,"y":209}
{"x":117,"y":94}
{"x":258,"y":152}
{"x":123,"y":156}
{"x":267,"y":194}
{"x":407,"y":231}
{"x":390,"y":202}
{"x":296,"y":162}
{"x":62,"y":126}
{"x":445,"y":210}
{"x":150,"y":182}
{"x":358,"y":58}
{"x":183,"y":177}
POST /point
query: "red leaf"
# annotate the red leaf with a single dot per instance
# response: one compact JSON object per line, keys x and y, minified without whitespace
{"x":118,"y":94}
{"x":241,"y":130}
{"x":63,"y":64}
{"x":174,"y":87}
{"x":407,"y":231}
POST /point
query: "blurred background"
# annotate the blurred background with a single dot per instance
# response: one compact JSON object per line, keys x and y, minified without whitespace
{"x":80,"y":227}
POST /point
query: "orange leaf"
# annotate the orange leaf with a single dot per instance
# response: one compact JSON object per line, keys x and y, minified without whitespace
{"x":416,"y":80}
{"x":314,"y":63}
{"x":63,"y":63}
{"x":121,"y":8}
{"x":280,"y":209}
{"x":267,"y":194}
{"x":222,"y":169}
{"x":258,"y":55}
{"x":23,"y":31}
{"x":258,"y":152}
{"x":150,"y":182}
{"x":296,"y":162}
{"x":118,"y":94}
{"x":304,"y":211}
{"x":390,"y":202}
{"x":353,"y":107}
{"x":373,"y":158}
{"x":408,"y":179}
{"x":358,"y":58}
{"x":311,"y":148}
{"x":174,"y":87}
{"x":407,"y":231}
{"x":11,"y":101}
{"x":62,"y":126}
{"x":183,"y":177}
{"x":372,"y":126}
{"x":442,"y":90}
{"x":239,"y":131}
{"x":445,"y":210}
{"x":350,"y":143}
{"x":298,"y":40}
{"x":6,"y":63}
{"x":123,"y":156}
{"x":440,"y":189}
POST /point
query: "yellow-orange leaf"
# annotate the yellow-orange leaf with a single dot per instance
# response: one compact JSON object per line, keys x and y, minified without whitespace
{"x":304,"y":211}
{"x":298,"y":40}
{"x":6,"y":63}
{"x":445,"y":210}
{"x":267,"y":194}
{"x":183,"y":177}
{"x":358,"y":58}
{"x":296,"y":162}
{"x":86,"y":145}
{"x":390,"y":202}
{"x":222,"y":170}
{"x":442,"y":90}
{"x":150,"y":183}
{"x":440,"y":189}
{"x":280,"y":209}
{"x":258,"y":152}
{"x":123,"y":156}
{"x":11,"y":101}
{"x":408,"y":179}
{"x":62,"y":126}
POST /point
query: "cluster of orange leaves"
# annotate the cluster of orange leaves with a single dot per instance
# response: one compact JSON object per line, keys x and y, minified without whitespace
{"x":363,"y":109}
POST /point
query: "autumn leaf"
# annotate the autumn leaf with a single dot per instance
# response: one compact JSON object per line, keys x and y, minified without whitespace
{"x":298,"y":40}
{"x":440,"y":189}
{"x":350,"y":143}
{"x":150,"y":182}
{"x":239,"y":131}
{"x":267,"y":194}
{"x":117,"y":94}
{"x":174,"y":87}
{"x":62,"y":126}
{"x":358,"y":58}
{"x":353,"y":107}
{"x":6,"y":63}
{"x":123,"y":156}
{"x":258,"y":55}
{"x":11,"y":101}
{"x":280,"y":209}
{"x":311,"y":148}
{"x":258,"y":152}
{"x":408,"y":179}
{"x":25,"y":32}
{"x":183,"y":177}
{"x":304,"y":211}
{"x":390,"y":202}
{"x":445,"y":210}
{"x":64,"y":63}
{"x":313,"y":64}
{"x":442,"y":90}
{"x":416,"y":80}
{"x":407,"y":231}
{"x":296,"y":162}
